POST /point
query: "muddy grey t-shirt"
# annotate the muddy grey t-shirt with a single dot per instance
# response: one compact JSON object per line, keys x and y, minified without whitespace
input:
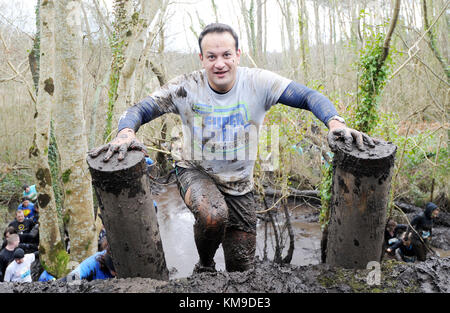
{"x":220,"y":131}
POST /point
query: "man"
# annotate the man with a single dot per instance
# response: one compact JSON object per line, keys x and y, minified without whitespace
{"x":7,"y":254}
{"x":28,"y":208}
{"x":27,"y":247}
{"x":20,"y":269}
{"x":97,"y":266}
{"x":30,"y":192}
{"x":222,"y":108}
{"x":392,"y":232}
{"x":423,"y":226}
{"x":21,"y":224}
{"x":404,"y":249}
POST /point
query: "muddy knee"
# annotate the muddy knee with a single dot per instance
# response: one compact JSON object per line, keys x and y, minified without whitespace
{"x":210,"y":211}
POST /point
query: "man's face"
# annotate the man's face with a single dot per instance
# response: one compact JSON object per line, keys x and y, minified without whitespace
{"x":435,"y":213}
{"x":220,"y":60}
{"x":20,"y":217}
{"x":25,"y":203}
{"x":27,"y":190}
{"x":19,"y":261}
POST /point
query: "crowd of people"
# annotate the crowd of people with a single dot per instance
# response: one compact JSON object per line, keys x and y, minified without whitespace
{"x":19,"y":254}
{"x":411,"y":243}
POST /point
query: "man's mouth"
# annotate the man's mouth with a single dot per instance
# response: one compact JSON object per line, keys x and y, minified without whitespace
{"x":220,"y":73}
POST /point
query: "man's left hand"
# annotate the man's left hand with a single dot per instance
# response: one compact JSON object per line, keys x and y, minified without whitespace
{"x":339,"y":131}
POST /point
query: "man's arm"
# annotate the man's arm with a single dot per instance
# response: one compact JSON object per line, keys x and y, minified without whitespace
{"x":299,"y":96}
{"x":395,"y":246}
{"x":129,"y":123}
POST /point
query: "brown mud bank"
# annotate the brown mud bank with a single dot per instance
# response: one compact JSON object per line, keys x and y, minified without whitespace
{"x":432,"y":276}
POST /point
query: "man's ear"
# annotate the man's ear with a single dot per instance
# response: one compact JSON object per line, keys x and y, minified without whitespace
{"x":238,"y":54}
{"x":200,"y":55}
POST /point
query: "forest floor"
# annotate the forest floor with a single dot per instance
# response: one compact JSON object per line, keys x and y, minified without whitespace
{"x":430,"y":276}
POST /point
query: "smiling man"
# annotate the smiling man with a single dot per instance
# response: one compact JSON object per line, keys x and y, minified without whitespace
{"x":222,"y":108}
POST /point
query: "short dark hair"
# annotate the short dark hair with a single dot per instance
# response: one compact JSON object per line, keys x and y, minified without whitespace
{"x":11,"y":230}
{"x":25,"y":186}
{"x":217,"y":28}
{"x":25,"y":199}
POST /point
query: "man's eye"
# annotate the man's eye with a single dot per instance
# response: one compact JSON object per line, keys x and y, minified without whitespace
{"x":211,"y":57}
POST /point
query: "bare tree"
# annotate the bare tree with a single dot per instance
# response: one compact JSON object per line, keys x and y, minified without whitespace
{"x":70,"y":132}
{"x":303,"y":33}
{"x":136,"y":32}
{"x":51,"y":245}
{"x":433,"y":43}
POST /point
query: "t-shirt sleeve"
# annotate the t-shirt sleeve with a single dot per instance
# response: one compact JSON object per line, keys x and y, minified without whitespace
{"x":272,"y":84}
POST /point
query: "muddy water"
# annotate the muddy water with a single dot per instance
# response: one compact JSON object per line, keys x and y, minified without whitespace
{"x":176,"y":230}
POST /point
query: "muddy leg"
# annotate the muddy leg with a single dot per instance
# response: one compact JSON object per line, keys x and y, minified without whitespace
{"x":419,"y":249}
{"x":239,"y":249}
{"x":211,"y":213}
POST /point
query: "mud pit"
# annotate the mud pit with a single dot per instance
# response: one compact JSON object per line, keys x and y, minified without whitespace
{"x":430,"y":276}
{"x":305,"y":275}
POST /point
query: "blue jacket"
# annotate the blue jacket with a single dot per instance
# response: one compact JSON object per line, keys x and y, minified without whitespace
{"x":45,"y":276}
{"x":28,"y":211}
{"x":89,"y":269}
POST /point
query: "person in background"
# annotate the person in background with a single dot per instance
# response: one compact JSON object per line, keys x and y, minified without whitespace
{"x":21,"y":224}
{"x":30,"y":192}
{"x":27,"y":247}
{"x":392,"y":233}
{"x":29,"y":209}
{"x":20,"y":269}
{"x":422,"y":225}
{"x":45,"y":276}
{"x":403,"y":249}
{"x":7,"y":253}
{"x":97,"y":266}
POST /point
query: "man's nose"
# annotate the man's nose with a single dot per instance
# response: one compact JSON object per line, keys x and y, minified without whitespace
{"x":219,"y":63}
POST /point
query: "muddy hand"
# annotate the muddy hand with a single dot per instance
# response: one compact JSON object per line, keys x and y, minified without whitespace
{"x":348,"y":135}
{"x":124,"y":141}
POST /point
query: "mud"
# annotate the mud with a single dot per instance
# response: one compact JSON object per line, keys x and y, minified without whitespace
{"x":426,"y":277}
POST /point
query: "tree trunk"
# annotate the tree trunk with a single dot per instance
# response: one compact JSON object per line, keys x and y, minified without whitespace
{"x":319,"y":44}
{"x":360,"y":196}
{"x":71,"y":134}
{"x":135,"y":37}
{"x":433,"y":42}
{"x":51,"y":247}
{"x":123,"y":191}
{"x":387,"y":40}
{"x":259,"y":33}
{"x":303,"y":32}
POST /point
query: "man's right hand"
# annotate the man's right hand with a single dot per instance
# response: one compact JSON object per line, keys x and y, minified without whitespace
{"x":124,"y":141}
